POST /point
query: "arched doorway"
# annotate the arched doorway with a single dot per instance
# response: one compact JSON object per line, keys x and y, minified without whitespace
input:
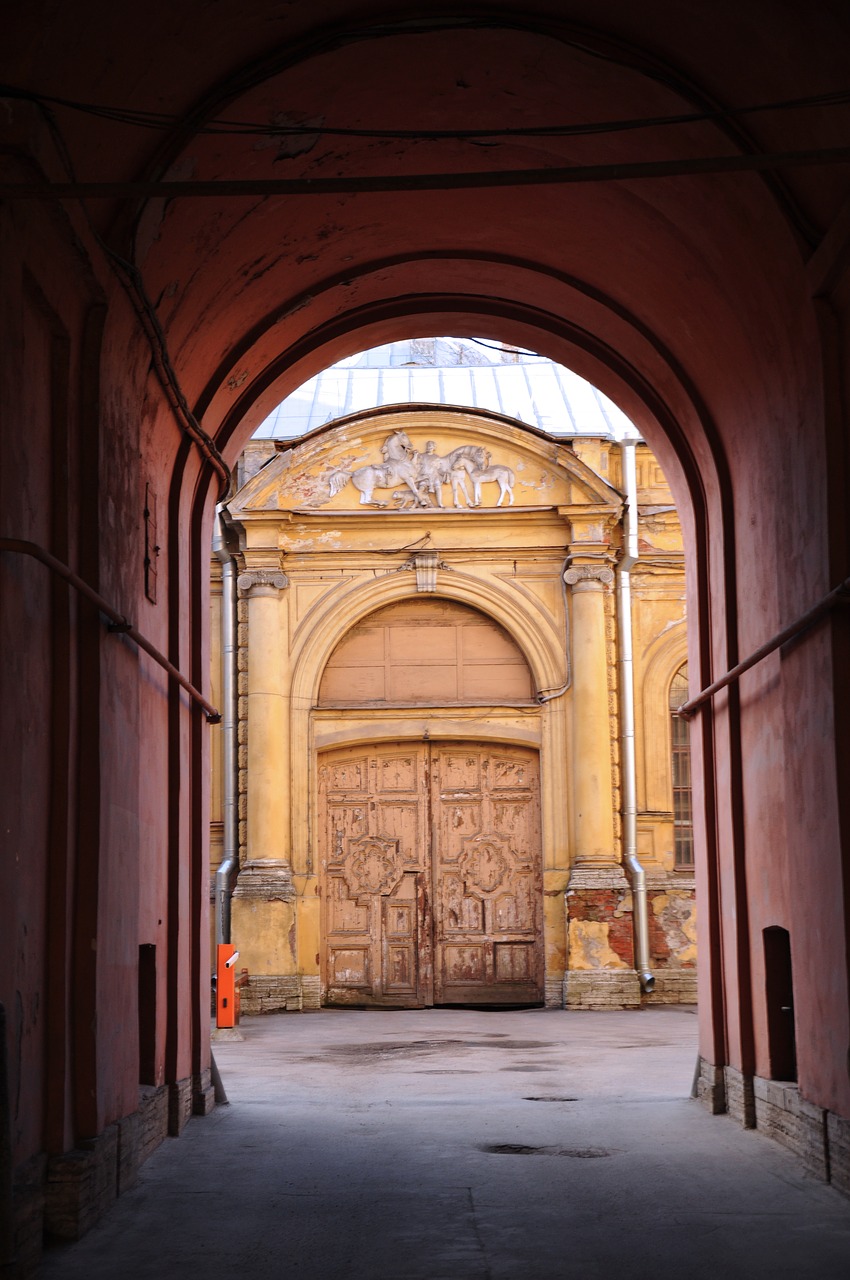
{"x":431,"y":874}
{"x":430,"y":851}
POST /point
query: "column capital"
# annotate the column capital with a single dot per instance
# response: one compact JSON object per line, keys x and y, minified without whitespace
{"x":588,"y":577}
{"x":262,"y":582}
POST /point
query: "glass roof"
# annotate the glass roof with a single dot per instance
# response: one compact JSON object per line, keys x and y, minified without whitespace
{"x":471,"y":373}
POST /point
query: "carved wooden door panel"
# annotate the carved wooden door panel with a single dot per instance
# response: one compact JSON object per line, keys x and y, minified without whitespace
{"x":488,"y":936}
{"x":402,"y":825}
{"x":374,"y":852}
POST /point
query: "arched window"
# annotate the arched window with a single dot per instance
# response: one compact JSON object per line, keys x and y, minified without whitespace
{"x":683,"y":824}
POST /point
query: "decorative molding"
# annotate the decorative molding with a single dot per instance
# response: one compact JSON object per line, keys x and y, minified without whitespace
{"x":425,"y":565}
{"x":372,"y":864}
{"x":424,"y":473}
{"x":269,"y":880}
{"x":261,"y":582}
{"x":484,"y":864}
{"x":582,"y":877}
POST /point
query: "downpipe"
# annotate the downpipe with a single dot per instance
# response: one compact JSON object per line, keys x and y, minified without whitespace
{"x":227,"y":868}
{"x":636,"y":873}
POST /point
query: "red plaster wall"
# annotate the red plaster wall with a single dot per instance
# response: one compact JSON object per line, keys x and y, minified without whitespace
{"x":687,"y":299}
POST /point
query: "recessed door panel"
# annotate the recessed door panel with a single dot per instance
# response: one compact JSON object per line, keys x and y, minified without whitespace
{"x":431,"y":875}
{"x":488,"y":937}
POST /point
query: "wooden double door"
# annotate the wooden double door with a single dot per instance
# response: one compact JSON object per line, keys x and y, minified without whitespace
{"x":431,"y":875}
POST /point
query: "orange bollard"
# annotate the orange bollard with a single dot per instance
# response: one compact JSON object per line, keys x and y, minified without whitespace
{"x":225,"y":985}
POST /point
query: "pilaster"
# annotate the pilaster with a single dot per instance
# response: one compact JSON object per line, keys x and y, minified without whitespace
{"x":592,"y":789}
{"x":268,"y":722}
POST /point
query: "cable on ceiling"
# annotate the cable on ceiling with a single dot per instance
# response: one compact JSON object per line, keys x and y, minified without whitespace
{"x":163,"y":120}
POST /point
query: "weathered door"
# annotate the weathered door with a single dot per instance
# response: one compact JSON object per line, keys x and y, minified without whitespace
{"x":487,"y":875}
{"x":373,"y":842}
{"x":404,"y":826}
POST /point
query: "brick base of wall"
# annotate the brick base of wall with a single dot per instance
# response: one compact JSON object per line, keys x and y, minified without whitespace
{"x":673,"y":986}
{"x":782,"y":1114}
{"x":179,"y":1106}
{"x":28,"y":1219}
{"x":818,"y":1138}
{"x":203,"y":1094}
{"x":281,"y":993}
{"x":64,"y":1196}
{"x":740,"y":1098}
{"x":554,"y":992}
{"x":81,"y":1185}
{"x":601,"y":989}
{"x":711,"y":1087}
{"x":153,"y":1119}
{"x":838,"y":1149}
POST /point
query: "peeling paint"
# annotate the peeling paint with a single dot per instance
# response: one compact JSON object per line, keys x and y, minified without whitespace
{"x":589,"y":947}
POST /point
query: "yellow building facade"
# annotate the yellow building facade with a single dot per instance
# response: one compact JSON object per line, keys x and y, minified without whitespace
{"x":454,"y":764}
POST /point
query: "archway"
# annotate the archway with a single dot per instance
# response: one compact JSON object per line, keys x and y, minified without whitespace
{"x":710,"y":303}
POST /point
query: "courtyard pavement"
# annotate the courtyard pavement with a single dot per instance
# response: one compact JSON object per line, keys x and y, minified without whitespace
{"x":463,"y":1145}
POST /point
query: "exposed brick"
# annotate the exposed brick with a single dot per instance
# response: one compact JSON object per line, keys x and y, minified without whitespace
{"x":81,"y":1185}
{"x":129,"y":1145}
{"x":602,"y":989}
{"x":740,"y":1101}
{"x":673,"y":986}
{"x":554,"y":992}
{"x":799,"y":1125}
{"x":28,"y":1215}
{"x":179,"y":1105}
{"x":153,"y":1114}
{"x":711,"y":1087}
{"x":203,"y":1094}
{"x":838,"y":1142}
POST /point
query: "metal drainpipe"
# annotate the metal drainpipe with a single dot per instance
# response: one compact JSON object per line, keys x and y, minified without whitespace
{"x":636,"y":872}
{"x":230,"y":847}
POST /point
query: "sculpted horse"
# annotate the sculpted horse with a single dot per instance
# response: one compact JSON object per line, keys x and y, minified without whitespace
{"x":451,"y":469}
{"x":400,"y":466}
{"x":503,"y":477}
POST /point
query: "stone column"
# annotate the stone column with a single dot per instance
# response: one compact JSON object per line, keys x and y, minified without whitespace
{"x":263,"y":908}
{"x":600,"y":972}
{"x":268,"y":721}
{"x":592,"y":787}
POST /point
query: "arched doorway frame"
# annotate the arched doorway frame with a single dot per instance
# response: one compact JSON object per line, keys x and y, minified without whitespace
{"x":539,"y":645}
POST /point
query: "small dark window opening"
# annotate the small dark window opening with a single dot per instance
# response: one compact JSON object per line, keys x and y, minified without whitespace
{"x":147,"y":1014}
{"x":683,"y":821}
{"x":779,"y":996}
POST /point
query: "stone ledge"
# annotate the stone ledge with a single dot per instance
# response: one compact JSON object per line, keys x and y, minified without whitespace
{"x":269,"y":880}
{"x":601,"y":989}
{"x":597,"y":878}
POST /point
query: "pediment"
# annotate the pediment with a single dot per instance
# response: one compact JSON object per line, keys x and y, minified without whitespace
{"x":423,"y":458}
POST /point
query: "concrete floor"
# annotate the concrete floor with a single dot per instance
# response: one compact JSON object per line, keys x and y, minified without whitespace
{"x":460,"y":1145}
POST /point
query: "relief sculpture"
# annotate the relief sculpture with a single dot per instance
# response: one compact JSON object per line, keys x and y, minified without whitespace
{"x":424,"y":474}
